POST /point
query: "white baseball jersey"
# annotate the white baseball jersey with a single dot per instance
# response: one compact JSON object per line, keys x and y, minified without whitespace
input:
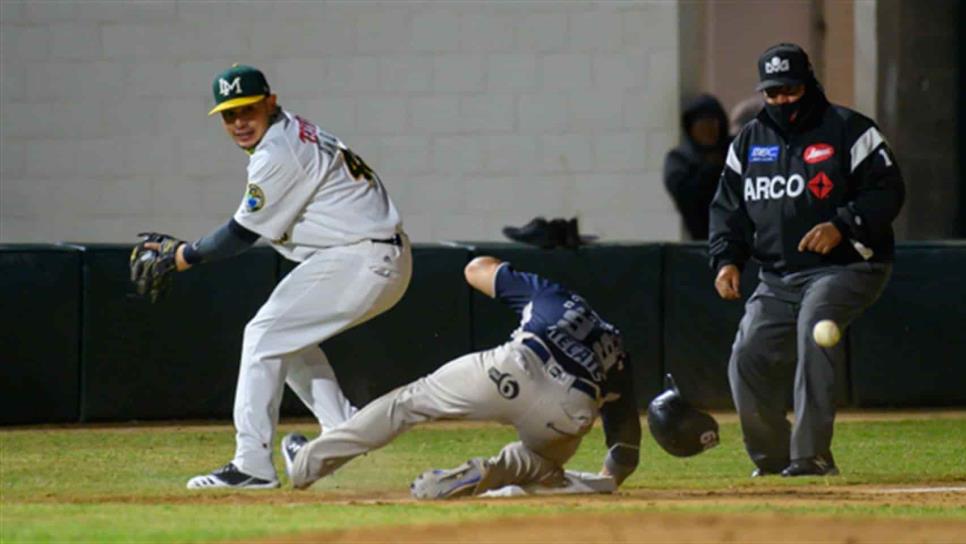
{"x":307,"y":190}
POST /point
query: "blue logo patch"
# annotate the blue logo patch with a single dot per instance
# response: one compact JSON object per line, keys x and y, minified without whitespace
{"x":763,"y":153}
{"x":254,"y":198}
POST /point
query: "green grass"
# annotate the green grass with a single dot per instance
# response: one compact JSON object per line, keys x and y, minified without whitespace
{"x":114,"y":484}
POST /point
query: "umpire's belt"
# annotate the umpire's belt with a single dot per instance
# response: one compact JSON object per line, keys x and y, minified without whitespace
{"x":581,"y":384}
{"x":396,"y":240}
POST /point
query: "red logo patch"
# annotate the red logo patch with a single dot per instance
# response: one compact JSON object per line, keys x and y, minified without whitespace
{"x":820,"y":186}
{"x":818,"y":153}
{"x":307,"y":131}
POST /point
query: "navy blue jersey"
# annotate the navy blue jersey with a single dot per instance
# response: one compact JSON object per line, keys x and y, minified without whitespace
{"x":584,"y":345}
{"x":581,"y":341}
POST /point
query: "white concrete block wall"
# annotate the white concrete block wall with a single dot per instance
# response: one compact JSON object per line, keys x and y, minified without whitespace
{"x":476,"y":114}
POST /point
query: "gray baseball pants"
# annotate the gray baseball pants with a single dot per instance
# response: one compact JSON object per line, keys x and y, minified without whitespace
{"x":509,"y":384}
{"x":774,"y":348}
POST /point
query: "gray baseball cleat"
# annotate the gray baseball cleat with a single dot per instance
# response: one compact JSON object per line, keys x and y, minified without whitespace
{"x":291,"y":444}
{"x":449,"y":484}
{"x":229,"y":476}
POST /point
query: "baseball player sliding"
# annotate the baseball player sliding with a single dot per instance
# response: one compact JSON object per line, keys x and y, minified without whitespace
{"x":562,"y":367}
{"x":320,"y":205}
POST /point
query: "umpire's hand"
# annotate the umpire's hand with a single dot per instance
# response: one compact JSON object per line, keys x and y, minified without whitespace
{"x":821,"y":239}
{"x":728,"y":282}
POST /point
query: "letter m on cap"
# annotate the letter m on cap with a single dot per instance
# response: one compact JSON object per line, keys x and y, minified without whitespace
{"x":226,"y":88}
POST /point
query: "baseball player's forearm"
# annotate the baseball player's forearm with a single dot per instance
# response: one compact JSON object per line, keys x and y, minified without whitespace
{"x":622,"y":425}
{"x":623,"y":437}
{"x":620,"y":462}
{"x":226,"y":241}
{"x":481,"y":272}
{"x":622,"y":433}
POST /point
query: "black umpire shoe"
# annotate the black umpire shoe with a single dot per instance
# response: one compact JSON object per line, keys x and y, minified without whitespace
{"x":291,"y":444}
{"x":230,"y":476}
{"x":812,"y":466}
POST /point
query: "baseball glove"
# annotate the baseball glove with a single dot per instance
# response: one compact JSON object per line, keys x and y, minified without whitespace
{"x":152,"y":269}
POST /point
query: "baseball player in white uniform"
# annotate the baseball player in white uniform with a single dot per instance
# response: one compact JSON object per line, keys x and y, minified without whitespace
{"x":320,"y":205}
{"x":562,"y":367}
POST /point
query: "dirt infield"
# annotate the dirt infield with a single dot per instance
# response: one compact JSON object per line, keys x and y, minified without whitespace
{"x":662,"y":528}
{"x":653,"y":525}
{"x":659,"y":516}
{"x":925,"y":494}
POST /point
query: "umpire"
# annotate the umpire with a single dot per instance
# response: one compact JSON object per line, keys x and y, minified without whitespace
{"x":809,"y":190}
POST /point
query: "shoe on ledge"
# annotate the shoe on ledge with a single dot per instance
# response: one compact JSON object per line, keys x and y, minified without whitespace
{"x":538,"y":232}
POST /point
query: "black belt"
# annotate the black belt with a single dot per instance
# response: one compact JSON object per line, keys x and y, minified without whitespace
{"x":396,"y":240}
{"x":583,"y":385}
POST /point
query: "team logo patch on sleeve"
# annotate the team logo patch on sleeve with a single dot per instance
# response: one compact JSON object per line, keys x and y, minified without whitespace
{"x":254,"y":198}
{"x":763,"y":153}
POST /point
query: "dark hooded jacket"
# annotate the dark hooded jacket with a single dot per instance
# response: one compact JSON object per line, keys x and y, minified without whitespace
{"x":832,"y":165}
{"x":691,"y":170}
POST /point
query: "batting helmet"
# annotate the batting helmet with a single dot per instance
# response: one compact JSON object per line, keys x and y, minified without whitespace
{"x":678,"y":427}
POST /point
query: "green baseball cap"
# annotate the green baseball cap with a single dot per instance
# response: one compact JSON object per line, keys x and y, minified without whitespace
{"x":237,"y":86}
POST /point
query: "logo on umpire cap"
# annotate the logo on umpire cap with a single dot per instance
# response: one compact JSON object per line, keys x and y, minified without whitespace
{"x":226,"y":88}
{"x":776,"y":65}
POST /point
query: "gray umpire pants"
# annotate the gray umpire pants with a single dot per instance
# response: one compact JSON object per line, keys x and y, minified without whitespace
{"x":509,"y":384}
{"x":774,"y":349}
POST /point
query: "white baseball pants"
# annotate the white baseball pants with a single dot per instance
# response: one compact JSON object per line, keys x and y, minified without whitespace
{"x":550,"y":415}
{"x":333,"y":290}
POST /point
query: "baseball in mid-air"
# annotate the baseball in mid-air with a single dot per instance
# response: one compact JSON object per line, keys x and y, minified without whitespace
{"x":826,"y":333}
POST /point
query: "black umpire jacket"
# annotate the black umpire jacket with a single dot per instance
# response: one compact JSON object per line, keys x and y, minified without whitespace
{"x":775,"y":187}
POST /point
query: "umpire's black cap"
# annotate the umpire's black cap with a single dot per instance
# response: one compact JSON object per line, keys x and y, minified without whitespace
{"x":783,"y":64}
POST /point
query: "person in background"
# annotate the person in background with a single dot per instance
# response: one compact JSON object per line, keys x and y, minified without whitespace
{"x":691,"y":170}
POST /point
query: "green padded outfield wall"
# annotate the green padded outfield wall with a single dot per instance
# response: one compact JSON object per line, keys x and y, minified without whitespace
{"x":909,"y":348}
{"x":621,"y":282}
{"x":87,"y":349}
{"x":427,"y":328}
{"x":700,"y":327}
{"x":177,"y":358}
{"x":39,"y":345}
